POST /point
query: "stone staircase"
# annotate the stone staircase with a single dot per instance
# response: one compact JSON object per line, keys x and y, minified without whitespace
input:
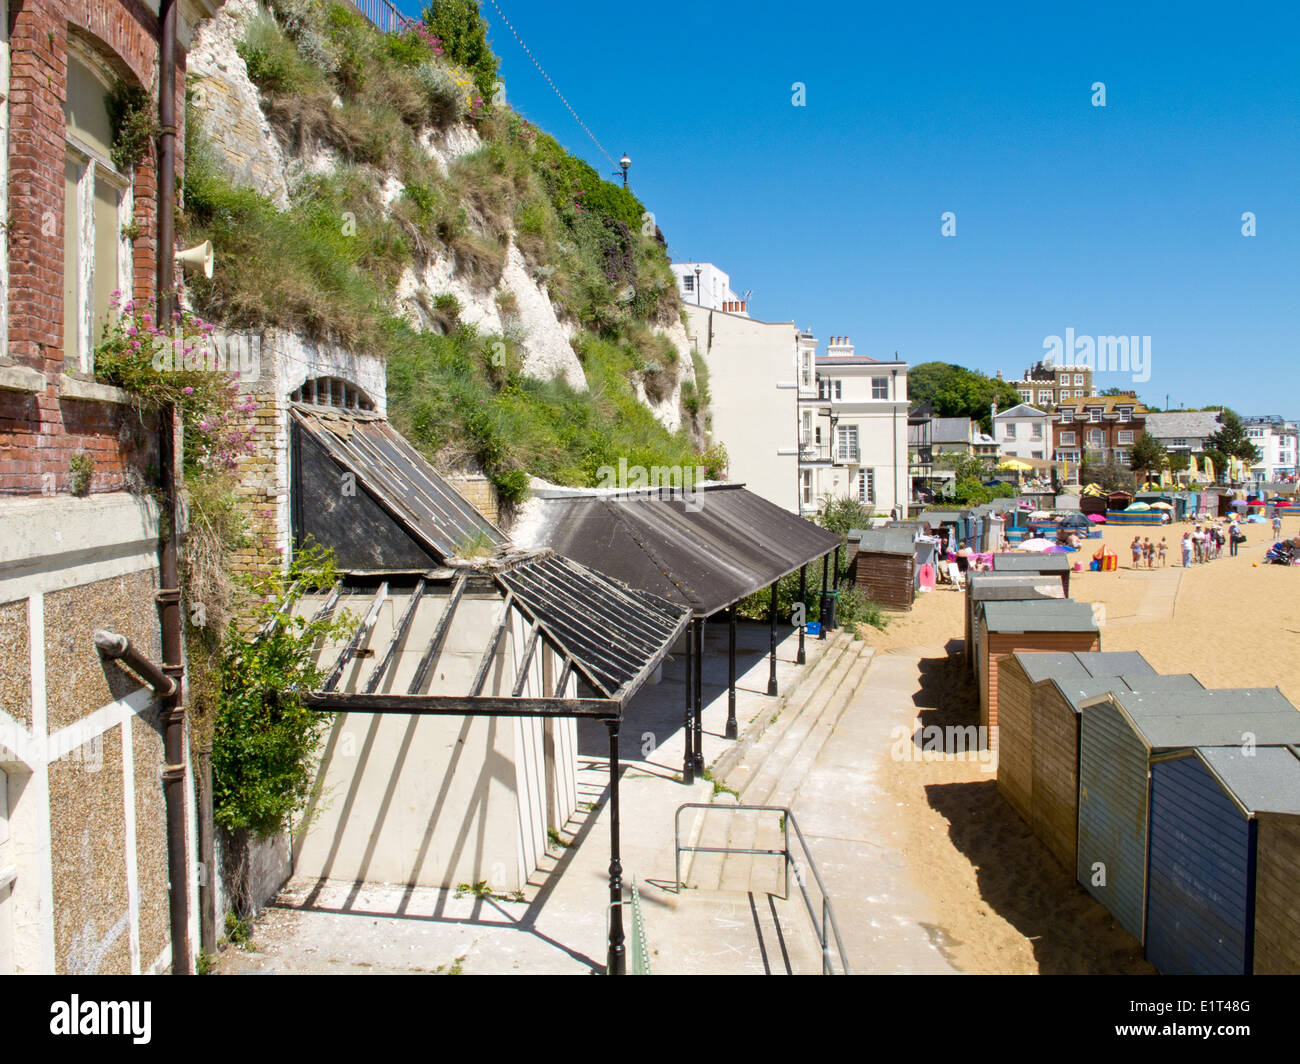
{"x":767,"y":766}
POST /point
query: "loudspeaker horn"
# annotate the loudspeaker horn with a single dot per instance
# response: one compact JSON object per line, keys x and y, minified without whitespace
{"x":199,"y":255}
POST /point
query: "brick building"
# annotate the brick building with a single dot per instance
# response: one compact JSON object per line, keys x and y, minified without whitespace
{"x":83,"y":868}
{"x":1047,"y":385}
{"x":1100,"y":427}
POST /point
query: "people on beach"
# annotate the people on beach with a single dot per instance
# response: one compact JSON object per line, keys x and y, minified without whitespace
{"x":1198,"y":545}
{"x":1187,"y":549}
{"x":1136,"y":548}
{"x":1277,"y":526}
{"x":1235,"y":538}
{"x":1149,"y":553}
{"x":1162,"y":549}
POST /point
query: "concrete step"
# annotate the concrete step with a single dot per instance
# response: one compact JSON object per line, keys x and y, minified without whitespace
{"x":783,"y":770}
{"x":705,"y":828}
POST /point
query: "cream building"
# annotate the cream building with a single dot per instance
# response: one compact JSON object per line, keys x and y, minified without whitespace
{"x":753,"y":380}
{"x":853,"y":429}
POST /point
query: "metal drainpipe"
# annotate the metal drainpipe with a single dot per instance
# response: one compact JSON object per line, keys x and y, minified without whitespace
{"x":893,"y":430}
{"x":168,"y":595}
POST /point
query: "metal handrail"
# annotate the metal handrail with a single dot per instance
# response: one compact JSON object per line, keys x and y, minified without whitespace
{"x":828,"y":925}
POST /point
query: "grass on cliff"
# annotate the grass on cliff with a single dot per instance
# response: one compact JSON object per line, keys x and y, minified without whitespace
{"x":328,"y":266}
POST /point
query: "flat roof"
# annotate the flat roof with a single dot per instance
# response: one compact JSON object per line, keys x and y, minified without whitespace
{"x":1028,"y":562}
{"x":1265,"y":781}
{"x":1039,"y":615}
{"x":1222,"y":717}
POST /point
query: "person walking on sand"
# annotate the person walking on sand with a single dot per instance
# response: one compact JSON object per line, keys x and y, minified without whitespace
{"x":1136,"y":548}
{"x":1162,"y":549}
{"x":1187,"y":549}
{"x":1277,"y":525}
{"x":1198,"y":545}
{"x":1235,"y":538}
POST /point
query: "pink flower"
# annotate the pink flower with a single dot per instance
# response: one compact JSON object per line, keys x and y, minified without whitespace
{"x":135,"y":345}
{"x":187,"y":390}
{"x":131,"y":330}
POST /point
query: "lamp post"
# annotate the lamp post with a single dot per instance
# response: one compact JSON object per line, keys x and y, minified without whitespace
{"x":698,"y":271}
{"x":624,"y":163}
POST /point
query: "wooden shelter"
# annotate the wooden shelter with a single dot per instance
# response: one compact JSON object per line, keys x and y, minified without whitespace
{"x":883,"y":565}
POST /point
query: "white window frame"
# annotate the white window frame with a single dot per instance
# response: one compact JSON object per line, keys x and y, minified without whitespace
{"x":1125,"y":437}
{"x":1067,"y":439}
{"x":806,"y":487}
{"x":1096,"y":439}
{"x":1067,"y":416}
{"x":847,"y":443}
{"x":880,"y":384}
{"x":1094,"y":413}
{"x":1078,"y":379}
{"x":1044,"y":396}
{"x":1125,"y":414}
{"x":94,"y":168}
{"x":867,"y":486}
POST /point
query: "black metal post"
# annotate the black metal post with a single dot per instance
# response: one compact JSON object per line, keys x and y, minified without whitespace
{"x":688,"y":761}
{"x":821,"y":628}
{"x":771,"y":618}
{"x":617,"y":960}
{"x":732,"y":731}
{"x":699,"y":696}
{"x":803,"y":604}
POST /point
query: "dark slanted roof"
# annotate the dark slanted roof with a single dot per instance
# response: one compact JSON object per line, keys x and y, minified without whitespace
{"x":705,"y":549}
{"x":1167,"y":720}
{"x":1267,"y":780}
{"x":1039,"y":615}
{"x":396,"y":476}
{"x":986,"y":586}
{"x":464,"y":640}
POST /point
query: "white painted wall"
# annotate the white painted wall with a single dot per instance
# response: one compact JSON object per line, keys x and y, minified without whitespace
{"x":752,"y":380}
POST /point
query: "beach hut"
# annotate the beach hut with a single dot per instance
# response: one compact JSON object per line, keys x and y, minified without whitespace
{"x":1009,"y":627}
{"x":1000,"y":587}
{"x":1053,"y":686}
{"x":1120,"y":735}
{"x":1057,"y":565}
{"x":1020,"y":679}
{"x":884,"y":566}
{"x":1220,"y":816}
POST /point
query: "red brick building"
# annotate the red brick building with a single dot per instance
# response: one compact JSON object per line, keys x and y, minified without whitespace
{"x":83,"y":873}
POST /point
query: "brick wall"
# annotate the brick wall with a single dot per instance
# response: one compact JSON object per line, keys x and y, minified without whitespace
{"x":41,"y":431}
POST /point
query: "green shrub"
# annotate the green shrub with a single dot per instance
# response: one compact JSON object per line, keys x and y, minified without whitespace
{"x":463,"y":33}
{"x":133,"y":120}
{"x":273,"y":61}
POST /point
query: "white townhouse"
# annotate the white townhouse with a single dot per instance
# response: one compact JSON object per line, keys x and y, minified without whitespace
{"x":1024,"y":431}
{"x":852,"y":427}
{"x":1275,"y":439}
{"x":701,"y":284}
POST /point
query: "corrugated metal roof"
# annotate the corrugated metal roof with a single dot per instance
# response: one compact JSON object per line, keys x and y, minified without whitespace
{"x":611,"y":634}
{"x":399,"y":477}
{"x":1223,"y":717}
{"x":1039,"y":615}
{"x":1265,"y":781}
{"x":706,"y":550}
{"x":1028,"y":562}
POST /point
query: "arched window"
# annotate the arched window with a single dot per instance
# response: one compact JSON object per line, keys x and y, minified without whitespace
{"x":332,"y":391}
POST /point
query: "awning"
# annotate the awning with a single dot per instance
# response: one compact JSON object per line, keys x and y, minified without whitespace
{"x":391,"y":479}
{"x":705,"y":549}
{"x":464,"y":640}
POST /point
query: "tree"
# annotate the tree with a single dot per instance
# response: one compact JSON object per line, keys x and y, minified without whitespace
{"x":955,"y":391}
{"x":463,"y":32}
{"x":1231,"y":441}
{"x":963,"y":465}
{"x":1147,"y":454}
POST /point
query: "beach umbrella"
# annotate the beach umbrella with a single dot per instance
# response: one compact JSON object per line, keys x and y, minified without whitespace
{"x":1159,"y":506}
{"x":1074,"y":521}
{"x":1037,"y":546}
{"x":1136,"y":507}
{"x":1012,"y":463}
{"x":1097,"y":519}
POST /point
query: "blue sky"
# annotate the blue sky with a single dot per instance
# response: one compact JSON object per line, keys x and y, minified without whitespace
{"x":1123,"y":219}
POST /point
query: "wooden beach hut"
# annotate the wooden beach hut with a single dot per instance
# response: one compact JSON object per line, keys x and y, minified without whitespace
{"x":1000,"y":587}
{"x":1008,"y":627}
{"x":884,"y":566}
{"x":1120,"y":735}
{"x":1045,"y":564}
{"x":1224,"y":856}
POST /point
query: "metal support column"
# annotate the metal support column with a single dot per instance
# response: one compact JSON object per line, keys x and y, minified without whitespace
{"x":821,"y":615}
{"x":802,"y":659}
{"x":771,"y":618}
{"x":732,"y":730}
{"x":617,"y":960}
{"x":699,"y":696}
{"x":688,"y":685}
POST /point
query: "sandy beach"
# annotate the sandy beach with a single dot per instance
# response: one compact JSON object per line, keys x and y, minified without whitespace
{"x":1006,"y":905}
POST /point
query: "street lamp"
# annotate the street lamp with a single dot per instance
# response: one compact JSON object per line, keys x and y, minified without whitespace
{"x":624,"y":163}
{"x":698,"y":271}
